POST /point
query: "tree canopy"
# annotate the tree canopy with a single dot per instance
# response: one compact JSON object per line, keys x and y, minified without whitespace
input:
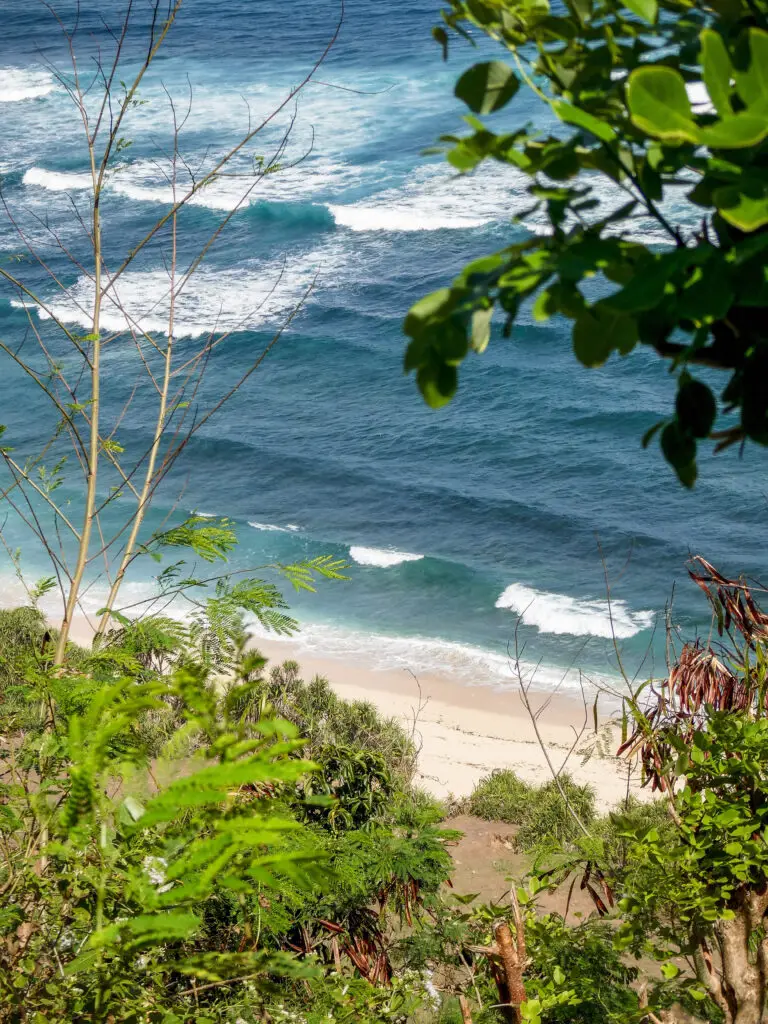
{"x":666,"y":102}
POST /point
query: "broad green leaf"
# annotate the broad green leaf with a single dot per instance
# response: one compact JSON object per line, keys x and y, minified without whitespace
{"x":481,"y":328}
{"x":600,"y":331}
{"x":583,"y":9}
{"x":659,"y":104}
{"x":487,"y":87}
{"x":696,"y":407}
{"x":746,"y":212}
{"x":716,"y":71}
{"x":544,"y":306}
{"x":738,"y":132}
{"x":437,"y":384}
{"x":679,"y":449}
{"x":441,"y":36}
{"x":645,"y":9}
{"x":707,"y":294}
{"x":752,"y":84}
{"x":133,"y":807}
{"x":575,"y":115}
{"x":425,"y":308}
{"x":643,"y":291}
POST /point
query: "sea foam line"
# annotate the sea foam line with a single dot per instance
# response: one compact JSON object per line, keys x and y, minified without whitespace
{"x":424,"y":655}
{"x":152,"y":181}
{"x":381,"y":558}
{"x":17,"y":84}
{"x":361,"y":217}
{"x":271,"y":528}
{"x":210,"y":302}
{"x":560,"y":614}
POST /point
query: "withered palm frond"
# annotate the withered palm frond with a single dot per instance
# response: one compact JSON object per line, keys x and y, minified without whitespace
{"x":701,"y":679}
{"x":732,"y":602}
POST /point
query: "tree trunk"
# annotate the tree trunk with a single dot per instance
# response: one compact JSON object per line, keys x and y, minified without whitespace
{"x":513,"y":964}
{"x":466,"y":1015}
{"x":743,"y":975}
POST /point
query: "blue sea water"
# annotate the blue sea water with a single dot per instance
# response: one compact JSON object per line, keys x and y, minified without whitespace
{"x":454,"y":522}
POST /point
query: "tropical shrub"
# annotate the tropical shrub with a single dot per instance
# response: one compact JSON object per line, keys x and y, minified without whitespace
{"x":548,"y":814}
{"x":500,"y":796}
{"x":246,"y":875}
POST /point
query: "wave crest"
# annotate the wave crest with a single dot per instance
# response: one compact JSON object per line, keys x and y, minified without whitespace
{"x":272,"y":195}
{"x":57,"y":181}
{"x":359,"y":217}
{"x":381,"y":558}
{"x":425,"y":655}
{"x":560,"y":614}
{"x":18,"y":84}
{"x":271,"y":528}
{"x":211,"y":302}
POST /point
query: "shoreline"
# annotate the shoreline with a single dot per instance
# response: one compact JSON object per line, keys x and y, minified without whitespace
{"x":463,"y":731}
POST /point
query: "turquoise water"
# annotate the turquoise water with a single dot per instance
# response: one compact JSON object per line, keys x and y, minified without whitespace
{"x":454,"y":521}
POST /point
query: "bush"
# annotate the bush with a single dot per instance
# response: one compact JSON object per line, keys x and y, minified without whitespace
{"x":635,"y":816}
{"x":543,"y":816}
{"x":591,"y":965}
{"x":326,"y":720}
{"x":501,"y":796}
{"x":550,"y":820}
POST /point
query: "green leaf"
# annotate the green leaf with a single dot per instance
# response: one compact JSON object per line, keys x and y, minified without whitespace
{"x":752,"y":84}
{"x":441,"y":36}
{"x":738,"y":132}
{"x":575,"y":115}
{"x":645,"y":9}
{"x":716,"y":71}
{"x":437,"y":384}
{"x":696,"y":407}
{"x":746,"y":212}
{"x":481,"y":328}
{"x":583,"y":9}
{"x":659,"y":104}
{"x":132,"y":807}
{"x":647,"y":438}
{"x":487,"y":87}
{"x":424,"y":309}
{"x":600,"y":331}
{"x":679,"y":450}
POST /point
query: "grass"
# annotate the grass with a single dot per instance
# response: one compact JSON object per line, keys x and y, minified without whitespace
{"x":541,"y":813}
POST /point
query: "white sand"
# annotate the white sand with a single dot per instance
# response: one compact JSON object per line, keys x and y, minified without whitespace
{"x":463,"y":732}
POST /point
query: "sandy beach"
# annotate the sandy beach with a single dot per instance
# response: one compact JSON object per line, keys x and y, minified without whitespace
{"x":464,"y":732}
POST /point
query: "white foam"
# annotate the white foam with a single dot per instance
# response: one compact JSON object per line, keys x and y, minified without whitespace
{"x":210,"y":302}
{"x":560,"y":614}
{"x":18,"y":84}
{"x":467,"y":664}
{"x":271,"y":528}
{"x":423,"y":655}
{"x":381,"y":558}
{"x":434,"y":198}
{"x":56,"y":181}
{"x":150,"y":181}
{"x":358,"y":217}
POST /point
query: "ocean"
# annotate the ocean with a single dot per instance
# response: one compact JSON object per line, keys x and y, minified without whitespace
{"x":454,"y":522}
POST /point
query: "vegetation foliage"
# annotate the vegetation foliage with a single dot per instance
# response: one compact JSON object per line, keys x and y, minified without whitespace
{"x":186,"y":836}
{"x":647,"y":165}
{"x":545,"y":814}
